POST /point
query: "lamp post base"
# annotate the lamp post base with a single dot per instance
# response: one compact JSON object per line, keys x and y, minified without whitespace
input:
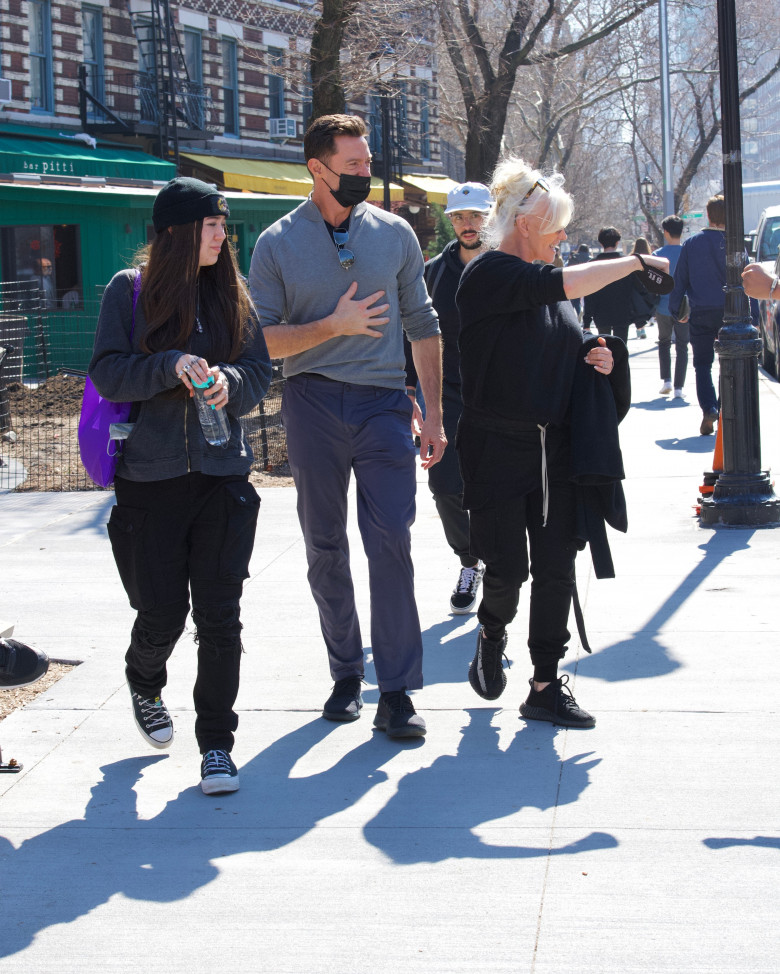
{"x":741,"y":500}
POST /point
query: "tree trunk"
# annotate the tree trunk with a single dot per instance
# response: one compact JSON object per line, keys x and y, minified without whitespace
{"x":325,"y":58}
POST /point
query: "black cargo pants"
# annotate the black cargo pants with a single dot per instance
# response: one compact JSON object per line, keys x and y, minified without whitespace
{"x":172,"y":538}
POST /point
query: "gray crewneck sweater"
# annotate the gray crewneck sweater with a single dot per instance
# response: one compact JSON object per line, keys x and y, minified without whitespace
{"x":296,"y":278}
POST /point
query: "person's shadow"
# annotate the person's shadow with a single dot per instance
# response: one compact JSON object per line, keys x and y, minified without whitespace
{"x":435,"y":811}
{"x":73,"y":868}
{"x":763,"y":841}
{"x":644,"y":654}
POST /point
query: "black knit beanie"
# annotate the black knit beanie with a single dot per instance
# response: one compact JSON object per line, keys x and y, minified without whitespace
{"x":185,"y":200}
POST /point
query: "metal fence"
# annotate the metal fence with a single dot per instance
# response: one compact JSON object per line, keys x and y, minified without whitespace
{"x":44,"y":353}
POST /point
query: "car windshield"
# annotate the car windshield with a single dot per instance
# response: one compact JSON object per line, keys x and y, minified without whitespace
{"x":770,"y":239}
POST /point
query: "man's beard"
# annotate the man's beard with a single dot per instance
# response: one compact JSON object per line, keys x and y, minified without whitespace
{"x":471,"y":246}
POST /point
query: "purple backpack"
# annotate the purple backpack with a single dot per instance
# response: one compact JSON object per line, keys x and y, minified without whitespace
{"x":99,"y":453}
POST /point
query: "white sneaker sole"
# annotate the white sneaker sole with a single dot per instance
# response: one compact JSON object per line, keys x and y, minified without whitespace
{"x":219,"y":786}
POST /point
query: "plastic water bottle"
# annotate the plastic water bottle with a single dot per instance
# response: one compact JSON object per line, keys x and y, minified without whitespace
{"x":213,"y":421}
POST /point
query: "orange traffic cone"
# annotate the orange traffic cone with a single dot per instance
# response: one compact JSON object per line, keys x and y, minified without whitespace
{"x":717,"y":461}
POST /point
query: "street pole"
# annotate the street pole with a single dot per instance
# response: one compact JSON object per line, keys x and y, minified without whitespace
{"x":742,"y":495}
{"x":666,"y":113}
{"x":384,"y":100}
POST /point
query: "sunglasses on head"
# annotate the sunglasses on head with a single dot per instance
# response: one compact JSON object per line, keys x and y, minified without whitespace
{"x":346,"y":257}
{"x":541,"y":183}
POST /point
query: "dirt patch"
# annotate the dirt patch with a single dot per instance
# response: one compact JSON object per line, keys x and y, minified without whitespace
{"x":39,"y":426}
{"x":11,"y":700}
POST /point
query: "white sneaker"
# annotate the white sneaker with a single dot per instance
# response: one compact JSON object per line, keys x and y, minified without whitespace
{"x":678,"y":394}
{"x":666,"y":388}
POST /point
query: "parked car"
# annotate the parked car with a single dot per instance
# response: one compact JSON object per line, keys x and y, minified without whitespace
{"x":766,"y":251}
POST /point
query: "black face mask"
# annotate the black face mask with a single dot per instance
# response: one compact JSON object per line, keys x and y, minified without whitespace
{"x":352,"y":189}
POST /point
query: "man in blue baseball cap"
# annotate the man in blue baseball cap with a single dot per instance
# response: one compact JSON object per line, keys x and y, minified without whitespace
{"x":468,"y":204}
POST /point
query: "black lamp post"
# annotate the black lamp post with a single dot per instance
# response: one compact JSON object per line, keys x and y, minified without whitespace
{"x":648,"y":188}
{"x":742,"y":495}
{"x":383,"y":89}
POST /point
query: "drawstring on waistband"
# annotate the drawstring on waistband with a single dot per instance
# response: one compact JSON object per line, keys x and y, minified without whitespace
{"x":545,"y":481}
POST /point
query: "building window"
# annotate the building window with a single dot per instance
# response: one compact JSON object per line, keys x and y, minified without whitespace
{"x":49,"y":257}
{"x":41,"y":80}
{"x":193,"y":54}
{"x":230,"y":85}
{"x":275,"y":84}
{"x":92,"y":31}
{"x":192,"y":97}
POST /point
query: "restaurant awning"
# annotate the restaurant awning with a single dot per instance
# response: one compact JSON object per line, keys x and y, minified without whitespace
{"x":435,"y":187}
{"x":69,"y":157}
{"x":278,"y":178}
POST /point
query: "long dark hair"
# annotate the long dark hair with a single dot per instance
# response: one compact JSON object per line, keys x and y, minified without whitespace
{"x":172,"y":283}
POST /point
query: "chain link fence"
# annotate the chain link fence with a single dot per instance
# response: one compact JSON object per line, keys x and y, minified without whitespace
{"x":44,"y":353}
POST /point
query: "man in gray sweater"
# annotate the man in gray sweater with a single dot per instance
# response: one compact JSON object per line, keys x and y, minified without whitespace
{"x":336,"y":283}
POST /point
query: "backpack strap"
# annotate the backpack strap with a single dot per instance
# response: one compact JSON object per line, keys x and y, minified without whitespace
{"x":437,"y":276}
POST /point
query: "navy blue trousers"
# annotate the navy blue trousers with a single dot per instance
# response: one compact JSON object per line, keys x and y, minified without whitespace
{"x":704,"y":326}
{"x":334,"y":429}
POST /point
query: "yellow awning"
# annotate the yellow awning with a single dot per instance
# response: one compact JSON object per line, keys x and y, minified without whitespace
{"x":277,"y":178}
{"x":436,"y":187}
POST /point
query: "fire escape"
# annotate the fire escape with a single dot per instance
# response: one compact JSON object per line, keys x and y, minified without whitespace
{"x":159,"y":100}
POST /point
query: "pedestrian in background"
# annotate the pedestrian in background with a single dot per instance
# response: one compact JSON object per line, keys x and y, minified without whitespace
{"x":611,"y":309}
{"x":185,"y":514}
{"x":318,"y":276}
{"x":467,"y":206}
{"x":579,"y":256}
{"x":700,"y":275}
{"x":643,"y":302}
{"x":668,"y":326}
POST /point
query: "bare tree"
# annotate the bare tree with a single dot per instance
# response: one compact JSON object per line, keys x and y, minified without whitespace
{"x":487,"y":49}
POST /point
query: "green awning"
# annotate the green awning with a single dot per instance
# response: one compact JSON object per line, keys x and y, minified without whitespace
{"x":50,"y":157}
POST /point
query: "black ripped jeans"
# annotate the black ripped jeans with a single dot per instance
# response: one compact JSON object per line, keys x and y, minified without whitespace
{"x":190,"y":535}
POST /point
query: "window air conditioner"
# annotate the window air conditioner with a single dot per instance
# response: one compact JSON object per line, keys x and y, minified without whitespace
{"x":5,"y":90}
{"x":282,"y":128}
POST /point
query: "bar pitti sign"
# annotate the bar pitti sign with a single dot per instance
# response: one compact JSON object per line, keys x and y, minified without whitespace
{"x":63,"y":167}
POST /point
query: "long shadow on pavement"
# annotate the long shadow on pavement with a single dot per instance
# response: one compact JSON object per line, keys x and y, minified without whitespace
{"x":433,"y":814}
{"x":643,"y":655}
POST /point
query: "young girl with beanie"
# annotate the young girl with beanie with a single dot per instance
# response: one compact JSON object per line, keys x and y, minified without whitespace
{"x":184,"y":522}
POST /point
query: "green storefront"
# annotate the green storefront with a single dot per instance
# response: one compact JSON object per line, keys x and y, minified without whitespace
{"x":70,"y":218}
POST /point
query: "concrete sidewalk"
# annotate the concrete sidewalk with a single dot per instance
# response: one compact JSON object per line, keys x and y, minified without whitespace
{"x":649,"y":843}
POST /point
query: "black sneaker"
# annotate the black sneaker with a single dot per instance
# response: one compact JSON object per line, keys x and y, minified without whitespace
{"x":152,"y":719}
{"x":557,"y":705}
{"x":464,"y":596}
{"x":486,"y":673}
{"x":345,"y":703}
{"x":20,"y":664}
{"x":218,"y":774}
{"x":395,"y":714}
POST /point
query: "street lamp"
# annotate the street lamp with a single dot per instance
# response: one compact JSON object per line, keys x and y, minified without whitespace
{"x":648,"y":188}
{"x":380,"y":71}
{"x":743,"y":493}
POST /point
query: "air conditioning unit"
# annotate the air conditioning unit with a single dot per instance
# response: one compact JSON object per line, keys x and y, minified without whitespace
{"x":282,"y":128}
{"x":5,"y":90}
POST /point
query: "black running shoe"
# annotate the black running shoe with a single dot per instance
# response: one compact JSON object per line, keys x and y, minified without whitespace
{"x":464,"y":596}
{"x":486,"y":673}
{"x":557,"y":705}
{"x":152,"y":719}
{"x":396,"y":716}
{"x":345,"y":702}
{"x":218,"y":774}
{"x":20,"y":664}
